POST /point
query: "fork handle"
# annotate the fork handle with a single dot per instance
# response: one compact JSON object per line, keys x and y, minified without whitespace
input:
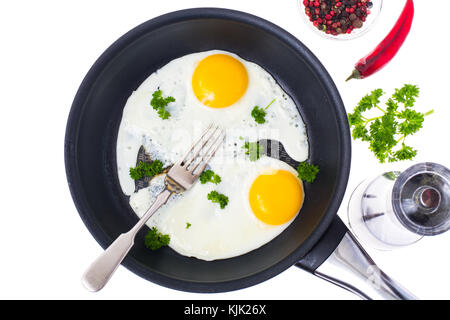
{"x":101,"y":270}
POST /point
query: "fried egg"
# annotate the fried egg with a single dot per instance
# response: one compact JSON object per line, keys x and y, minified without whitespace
{"x":269,"y":199}
{"x":264,"y":195}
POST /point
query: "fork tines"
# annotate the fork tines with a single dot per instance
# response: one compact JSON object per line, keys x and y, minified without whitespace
{"x":203,"y":150}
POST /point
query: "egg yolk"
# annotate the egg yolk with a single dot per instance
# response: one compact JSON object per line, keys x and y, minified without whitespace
{"x":219,"y":81}
{"x":276,"y":197}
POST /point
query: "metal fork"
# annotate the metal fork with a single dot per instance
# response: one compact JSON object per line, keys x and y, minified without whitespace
{"x":180,"y":178}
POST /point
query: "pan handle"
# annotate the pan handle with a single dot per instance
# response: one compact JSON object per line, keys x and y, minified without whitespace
{"x":341,"y":260}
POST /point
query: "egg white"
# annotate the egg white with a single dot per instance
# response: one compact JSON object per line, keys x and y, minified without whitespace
{"x":214,"y":233}
{"x":141,"y":125}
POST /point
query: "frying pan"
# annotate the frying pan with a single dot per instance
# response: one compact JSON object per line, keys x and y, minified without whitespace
{"x":317,"y":241}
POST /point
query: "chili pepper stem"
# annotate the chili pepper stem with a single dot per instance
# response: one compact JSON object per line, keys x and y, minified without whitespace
{"x":355,"y":75}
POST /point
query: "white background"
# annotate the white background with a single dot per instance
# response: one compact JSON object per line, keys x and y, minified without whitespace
{"x":46,"y":49}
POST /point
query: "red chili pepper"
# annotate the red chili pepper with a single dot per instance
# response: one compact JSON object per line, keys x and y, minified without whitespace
{"x":388,"y":48}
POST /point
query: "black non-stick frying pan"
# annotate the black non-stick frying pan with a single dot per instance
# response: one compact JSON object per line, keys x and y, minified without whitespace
{"x":316,"y":241}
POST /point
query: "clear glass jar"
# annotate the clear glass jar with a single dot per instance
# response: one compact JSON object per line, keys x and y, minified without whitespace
{"x":397,"y":209}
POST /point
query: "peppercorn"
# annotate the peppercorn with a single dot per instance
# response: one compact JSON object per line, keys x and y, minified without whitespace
{"x":357,"y":23}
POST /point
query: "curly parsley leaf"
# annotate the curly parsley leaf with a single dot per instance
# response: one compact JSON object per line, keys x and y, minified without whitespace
{"x":159,"y":104}
{"x":382,"y":136}
{"x":307,"y":172}
{"x":155,"y":239}
{"x":361,"y":132}
{"x":144,"y":169}
{"x":369,"y":101}
{"x":413,"y":121}
{"x":405,"y":153}
{"x":219,"y":198}
{"x":392,"y":106}
{"x":406,"y":95}
{"x":209,"y":176}
{"x":355,"y":118}
{"x":385,"y":132}
{"x":163,"y":113}
{"x":259,"y":114}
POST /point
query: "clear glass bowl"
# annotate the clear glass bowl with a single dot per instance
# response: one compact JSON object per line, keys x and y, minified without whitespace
{"x":367,"y":25}
{"x":396,"y":209}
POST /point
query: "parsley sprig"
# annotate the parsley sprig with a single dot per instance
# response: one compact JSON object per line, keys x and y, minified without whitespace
{"x":145,"y":169}
{"x":389,"y":130}
{"x":159,"y":104}
{"x":155,"y":239}
{"x":209,"y":176}
{"x":219,"y":198}
{"x":259,"y":114}
{"x":307,"y":172}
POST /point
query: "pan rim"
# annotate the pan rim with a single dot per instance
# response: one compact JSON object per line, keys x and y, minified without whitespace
{"x":75,"y":116}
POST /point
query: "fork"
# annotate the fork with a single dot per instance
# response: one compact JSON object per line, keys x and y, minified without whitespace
{"x":181,"y":177}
